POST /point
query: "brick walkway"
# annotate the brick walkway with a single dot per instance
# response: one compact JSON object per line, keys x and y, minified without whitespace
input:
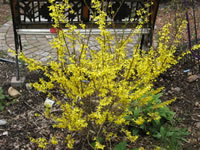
{"x":34,"y":46}
{"x":37,"y":46}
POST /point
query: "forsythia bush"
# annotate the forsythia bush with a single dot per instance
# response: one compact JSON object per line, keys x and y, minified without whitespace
{"x":97,"y":87}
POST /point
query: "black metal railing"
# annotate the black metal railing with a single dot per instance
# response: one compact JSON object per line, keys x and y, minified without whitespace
{"x":36,"y":14}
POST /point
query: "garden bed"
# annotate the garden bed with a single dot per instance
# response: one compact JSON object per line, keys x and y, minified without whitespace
{"x":23,"y":123}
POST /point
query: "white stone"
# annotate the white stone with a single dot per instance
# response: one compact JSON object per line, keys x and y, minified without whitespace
{"x":48,"y":102}
{"x":3,"y":122}
{"x":197,"y":104}
{"x":28,"y":87}
{"x":5,"y":133}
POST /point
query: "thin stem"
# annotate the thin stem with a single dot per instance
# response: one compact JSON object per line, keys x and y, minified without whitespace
{"x":131,"y":65}
{"x":89,"y":141}
{"x":194,"y":18}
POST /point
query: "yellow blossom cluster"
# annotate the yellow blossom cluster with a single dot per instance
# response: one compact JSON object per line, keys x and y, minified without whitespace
{"x":42,"y":142}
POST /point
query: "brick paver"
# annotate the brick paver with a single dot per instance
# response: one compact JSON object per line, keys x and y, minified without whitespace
{"x":37,"y":46}
{"x":34,"y":46}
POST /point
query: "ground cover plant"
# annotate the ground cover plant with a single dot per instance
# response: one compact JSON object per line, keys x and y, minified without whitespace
{"x":99,"y":90}
{"x":2,"y":98}
{"x":5,"y":100}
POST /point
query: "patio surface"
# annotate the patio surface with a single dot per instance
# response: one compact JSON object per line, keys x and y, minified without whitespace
{"x":37,"y":46}
{"x":34,"y":46}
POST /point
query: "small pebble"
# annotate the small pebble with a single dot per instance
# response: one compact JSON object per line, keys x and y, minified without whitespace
{"x":189,"y":73}
{"x":48,"y":102}
{"x":3,"y":122}
{"x":5,"y":133}
{"x":198,"y":124}
{"x":177,"y":89}
{"x":29,"y":101}
{"x":28,"y":87}
{"x":197,"y":104}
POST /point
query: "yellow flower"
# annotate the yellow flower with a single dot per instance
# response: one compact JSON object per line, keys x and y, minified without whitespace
{"x":130,"y":137}
{"x":164,"y":104}
{"x":70,"y":142}
{"x":141,"y":148}
{"x":42,"y":142}
{"x":139,"y":121}
{"x":148,"y":133}
{"x":99,"y":146}
{"x":154,"y":116}
{"x":157,"y":148}
{"x":54,"y":141}
{"x":82,"y":26}
{"x":37,"y":115}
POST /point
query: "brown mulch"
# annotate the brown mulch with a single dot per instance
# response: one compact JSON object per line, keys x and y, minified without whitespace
{"x":20,"y":113}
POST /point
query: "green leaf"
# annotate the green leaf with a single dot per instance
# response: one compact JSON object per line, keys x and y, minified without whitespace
{"x":168,"y":134}
{"x":2,"y":96}
{"x":166,"y":113}
{"x":99,"y":139}
{"x":142,"y":126}
{"x":135,"y":131}
{"x":121,"y":146}
{"x":93,"y":144}
{"x":158,"y":135}
{"x":157,"y":96}
{"x":128,"y":118}
{"x":162,"y":131}
{"x":1,"y":107}
{"x":136,"y":112}
{"x":156,"y":124}
{"x":135,"y":149}
{"x":1,"y":90}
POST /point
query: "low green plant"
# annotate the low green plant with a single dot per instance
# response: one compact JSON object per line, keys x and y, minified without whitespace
{"x":22,"y":61}
{"x":157,"y":123}
{"x":121,"y":146}
{"x":154,"y":113}
{"x":170,"y":137}
{"x":3,"y":53}
{"x":2,"y":98}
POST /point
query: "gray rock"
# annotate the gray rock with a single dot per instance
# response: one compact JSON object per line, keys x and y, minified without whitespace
{"x":198,"y":124}
{"x":177,"y":89}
